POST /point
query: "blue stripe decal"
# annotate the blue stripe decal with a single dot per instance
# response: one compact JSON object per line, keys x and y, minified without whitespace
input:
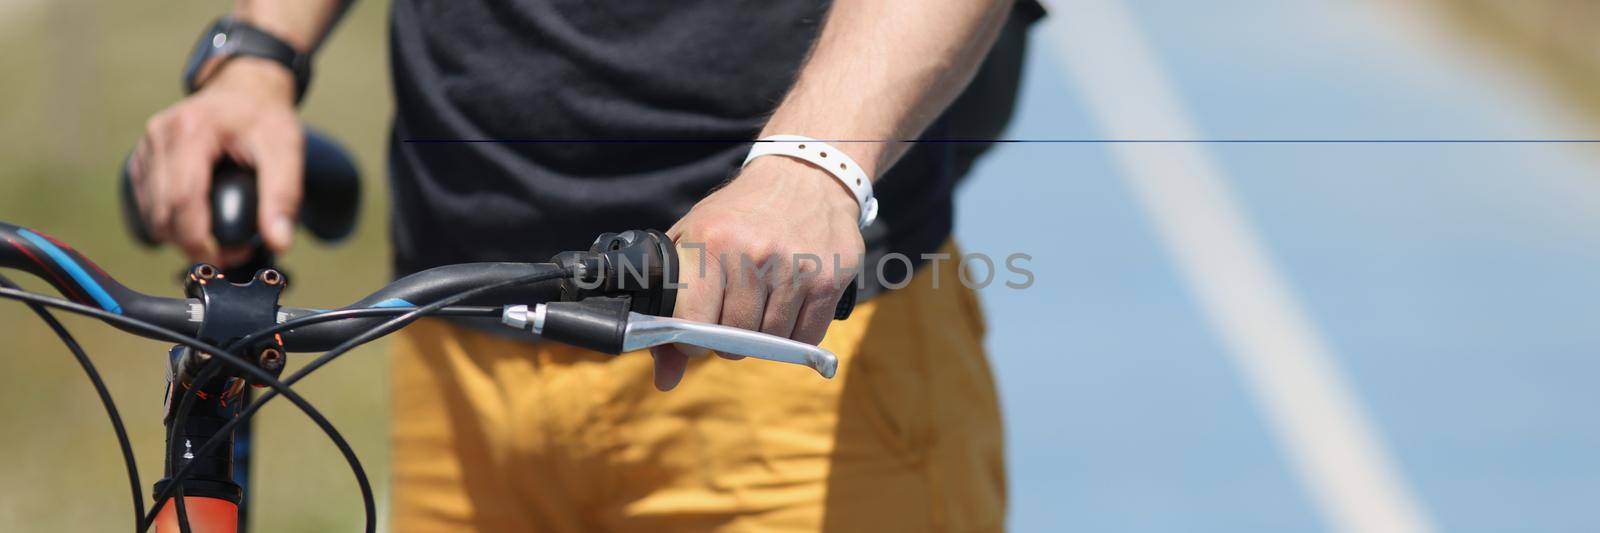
{"x":78,"y":274}
{"x":392,"y":302}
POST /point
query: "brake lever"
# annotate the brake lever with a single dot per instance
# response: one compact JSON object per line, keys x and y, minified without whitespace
{"x":645,"y":331}
{"x":607,"y":326}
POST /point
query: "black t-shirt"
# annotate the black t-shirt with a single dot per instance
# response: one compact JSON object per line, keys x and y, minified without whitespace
{"x":527,"y":127}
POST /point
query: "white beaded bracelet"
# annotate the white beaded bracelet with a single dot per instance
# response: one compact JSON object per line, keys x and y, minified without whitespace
{"x":819,"y":154}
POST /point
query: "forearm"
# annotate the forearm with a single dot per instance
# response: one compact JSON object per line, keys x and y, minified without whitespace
{"x":301,"y":23}
{"x":883,"y":70}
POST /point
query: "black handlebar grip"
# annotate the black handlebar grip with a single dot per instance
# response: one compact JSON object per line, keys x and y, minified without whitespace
{"x":233,"y":204}
{"x":847,"y":303}
{"x":331,"y":196}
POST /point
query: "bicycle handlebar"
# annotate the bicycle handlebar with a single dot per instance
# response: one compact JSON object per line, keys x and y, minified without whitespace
{"x":80,"y":280}
{"x":598,"y":306}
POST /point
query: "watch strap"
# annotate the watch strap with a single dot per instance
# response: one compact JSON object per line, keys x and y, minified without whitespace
{"x":230,"y":38}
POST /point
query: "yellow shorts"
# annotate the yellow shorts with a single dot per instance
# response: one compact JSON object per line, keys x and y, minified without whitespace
{"x":492,"y":434}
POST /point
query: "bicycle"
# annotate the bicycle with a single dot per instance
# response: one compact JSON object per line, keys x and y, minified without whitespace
{"x":232,"y":334}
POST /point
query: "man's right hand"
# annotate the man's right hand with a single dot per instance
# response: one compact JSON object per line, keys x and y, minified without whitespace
{"x":245,"y":112}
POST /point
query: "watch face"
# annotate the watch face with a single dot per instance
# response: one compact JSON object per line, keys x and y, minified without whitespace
{"x":211,"y":41}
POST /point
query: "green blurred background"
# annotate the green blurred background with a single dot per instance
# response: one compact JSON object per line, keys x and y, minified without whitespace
{"x":80,"y":78}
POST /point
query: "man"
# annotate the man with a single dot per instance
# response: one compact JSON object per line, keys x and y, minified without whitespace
{"x":602,"y":115}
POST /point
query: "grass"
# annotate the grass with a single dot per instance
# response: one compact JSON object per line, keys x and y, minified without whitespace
{"x":81,"y":77}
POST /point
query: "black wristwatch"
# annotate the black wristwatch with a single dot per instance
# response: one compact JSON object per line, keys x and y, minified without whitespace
{"x":228,"y":38}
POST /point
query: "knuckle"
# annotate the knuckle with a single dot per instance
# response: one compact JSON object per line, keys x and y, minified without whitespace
{"x":808,"y":265}
{"x":155,"y":126}
{"x":717,"y":234}
{"x":820,"y":289}
{"x":175,"y":120}
{"x":756,"y":246}
{"x":192,"y":121}
{"x":184,"y":124}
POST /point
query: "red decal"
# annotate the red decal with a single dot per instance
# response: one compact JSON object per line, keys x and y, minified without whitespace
{"x":69,"y":288}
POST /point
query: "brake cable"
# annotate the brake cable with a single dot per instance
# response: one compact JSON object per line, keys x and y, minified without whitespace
{"x":148,"y":329}
{"x":480,"y":311}
{"x":101,"y":390}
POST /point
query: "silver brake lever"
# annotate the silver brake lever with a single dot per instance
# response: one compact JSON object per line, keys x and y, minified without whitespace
{"x":645,"y":331}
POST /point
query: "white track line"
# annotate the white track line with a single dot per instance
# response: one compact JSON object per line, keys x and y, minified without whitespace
{"x":1318,"y":423}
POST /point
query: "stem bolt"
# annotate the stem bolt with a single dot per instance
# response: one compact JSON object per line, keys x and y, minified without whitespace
{"x":271,"y":360}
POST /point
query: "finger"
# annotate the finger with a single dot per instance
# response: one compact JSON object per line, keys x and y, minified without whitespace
{"x":279,"y":154}
{"x":137,"y":172}
{"x":699,"y":297}
{"x":744,"y":299}
{"x":670,"y":365}
{"x":191,"y":226}
{"x":811,"y":323}
{"x":150,"y":181}
{"x":158,"y":211}
{"x":186,"y":187}
{"x":784,"y":299}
